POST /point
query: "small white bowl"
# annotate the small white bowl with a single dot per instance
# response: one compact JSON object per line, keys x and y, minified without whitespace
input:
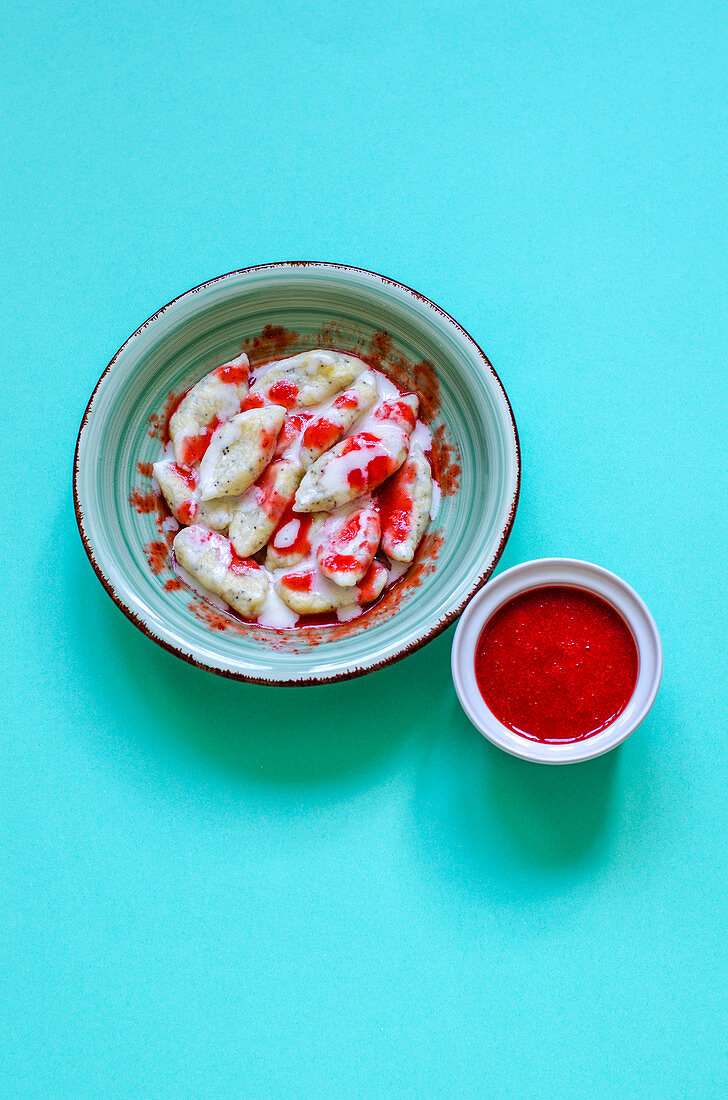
{"x":575,"y":574}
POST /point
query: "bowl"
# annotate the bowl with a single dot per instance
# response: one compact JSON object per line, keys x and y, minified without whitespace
{"x":575,"y":574}
{"x":271,"y":311}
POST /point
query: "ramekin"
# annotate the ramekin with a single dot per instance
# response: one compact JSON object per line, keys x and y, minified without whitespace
{"x":557,"y":572}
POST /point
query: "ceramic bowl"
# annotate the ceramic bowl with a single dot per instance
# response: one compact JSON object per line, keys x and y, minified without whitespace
{"x":271,"y":311}
{"x":575,"y":574}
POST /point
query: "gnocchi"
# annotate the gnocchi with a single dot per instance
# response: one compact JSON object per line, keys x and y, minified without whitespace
{"x":214,"y":399}
{"x":308,"y":592}
{"x":406,"y":501}
{"x":326,"y":429}
{"x":306,"y":379}
{"x":239,"y":452}
{"x":209,"y":557}
{"x":304,"y":493}
{"x":260,"y":508}
{"x":348,"y":544}
{"x":179,"y":489}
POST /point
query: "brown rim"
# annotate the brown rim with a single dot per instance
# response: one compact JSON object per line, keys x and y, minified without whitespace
{"x":435,"y":630}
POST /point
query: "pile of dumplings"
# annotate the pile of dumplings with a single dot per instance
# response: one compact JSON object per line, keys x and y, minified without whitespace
{"x":286,"y":488}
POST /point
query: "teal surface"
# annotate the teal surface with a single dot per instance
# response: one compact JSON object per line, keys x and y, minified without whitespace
{"x":214,"y":889}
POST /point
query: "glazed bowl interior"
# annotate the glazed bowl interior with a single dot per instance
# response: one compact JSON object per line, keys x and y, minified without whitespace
{"x":274,"y":311}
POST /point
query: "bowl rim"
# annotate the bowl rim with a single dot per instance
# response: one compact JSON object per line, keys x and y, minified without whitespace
{"x":558,"y":572}
{"x":349,"y":674}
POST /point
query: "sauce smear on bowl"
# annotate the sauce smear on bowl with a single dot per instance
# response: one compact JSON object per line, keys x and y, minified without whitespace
{"x":556,"y":664}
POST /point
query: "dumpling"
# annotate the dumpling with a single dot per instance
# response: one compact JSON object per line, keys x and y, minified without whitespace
{"x":353,"y":467}
{"x":373,"y":584}
{"x":261,"y":506}
{"x":215,"y":398}
{"x":239,"y":452}
{"x":179,"y":489}
{"x":211,"y":560}
{"x":306,"y":379}
{"x":328,"y":427}
{"x":360,"y":464}
{"x":401,"y":411}
{"x":405,"y":506}
{"x":216,"y":513}
{"x":309,"y":593}
{"x":348,"y":544}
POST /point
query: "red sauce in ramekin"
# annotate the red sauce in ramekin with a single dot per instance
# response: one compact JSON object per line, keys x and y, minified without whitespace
{"x":556,"y":664}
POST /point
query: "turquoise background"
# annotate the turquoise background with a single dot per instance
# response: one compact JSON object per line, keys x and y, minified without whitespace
{"x":213,"y":889}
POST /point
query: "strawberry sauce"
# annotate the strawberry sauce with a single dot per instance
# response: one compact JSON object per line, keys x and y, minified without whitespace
{"x":556,"y":664}
{"x":195,"y":446}
{"x":284,"y":393}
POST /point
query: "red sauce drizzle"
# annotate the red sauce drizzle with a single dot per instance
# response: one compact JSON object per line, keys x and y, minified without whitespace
{"x":351,"y":547}
{"x":370,"y":584}
{"x":346,"y":400}
{"x":302,"y":542}
{"x":292,"y":428}
{"x":267,"y":440}
{"x":253,"y":401}
{"x":157,"y":556}
{"x":272,"y":342}
{"x":212,"y":617}
{"x":556,"y":664}
{"x":377,"y":470}
{"x":420,"y":377}
{"x":239,"y":565}
{"x":360,"y":442}
{"x":142,"y":502}
{"x":194,"y":446}
{"x":235,"y":373}
{"x":372,"y":473}
{"x":188,"y":476}
{"x":380,"y":349}
{"x":298,"y":582}
{"x":269,"y":498}
{"x":284,"y":393}
{"x":159,"y":422}
{"x":397,"y":411}
{"x":321,"y":434}
{"x":320,"y":618}
{"x":395,"y":502}
{"x":444,"y":460}
{"x":187,"y":511}
{"x":335,"y":562}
